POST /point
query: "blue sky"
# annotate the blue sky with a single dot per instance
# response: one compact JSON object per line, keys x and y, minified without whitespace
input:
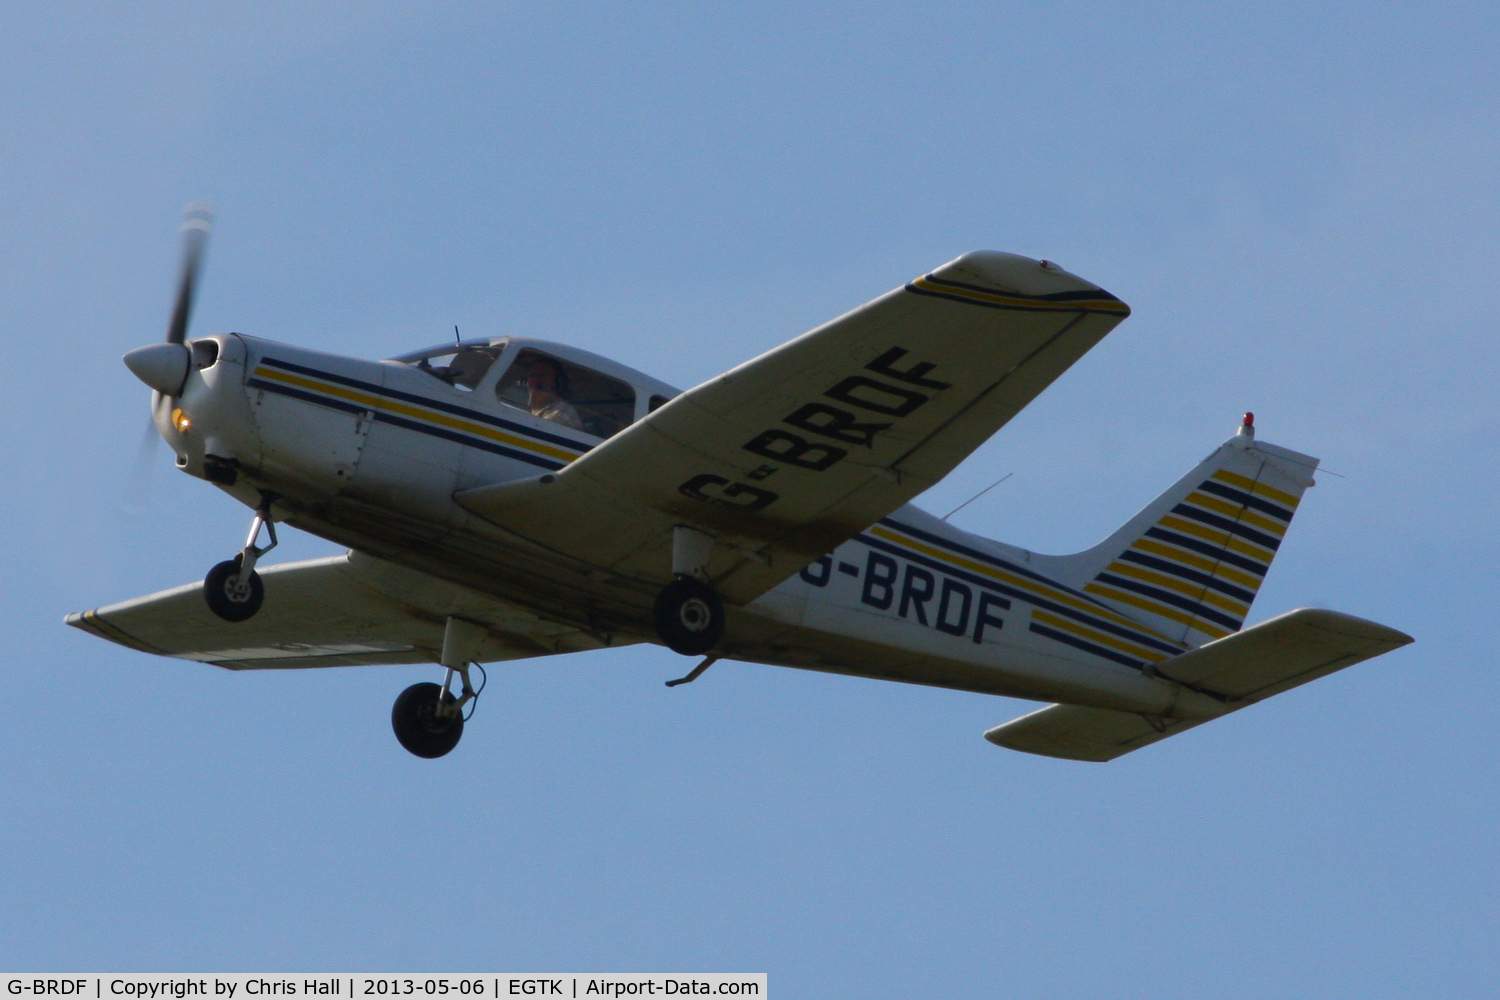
{"x":1300,"y":204}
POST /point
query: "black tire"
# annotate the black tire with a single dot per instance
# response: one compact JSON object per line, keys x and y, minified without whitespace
{"x":414,"y":718}
{"x":689,"y":617}
{"x":229,"y":601}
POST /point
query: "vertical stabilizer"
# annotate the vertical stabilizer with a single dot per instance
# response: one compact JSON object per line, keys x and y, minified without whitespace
{"x":1189,"y":565}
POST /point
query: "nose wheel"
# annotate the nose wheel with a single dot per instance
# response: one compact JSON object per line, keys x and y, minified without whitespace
{"x":232,"y":595}
{"x":689,"y":617}
{"x":232,"y":589}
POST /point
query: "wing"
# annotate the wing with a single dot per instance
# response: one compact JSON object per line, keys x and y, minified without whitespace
{"x":790,"y":454}
{"x":348,"y":610}
{"x":1242,"y":669}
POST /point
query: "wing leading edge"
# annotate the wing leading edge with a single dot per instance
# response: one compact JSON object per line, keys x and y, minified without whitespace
{"x":792,"y":453}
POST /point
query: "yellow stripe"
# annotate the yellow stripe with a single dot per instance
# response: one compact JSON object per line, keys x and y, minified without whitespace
{"x":384,"y":405}
{"x":996,"y":298}
{"x":1259,"y":489}
{"x":1022,"y":583}
{"x":1196,"y":591}
{"x":1218,"y":570}
{"x":1102,"y":638}
{"x":1240,"y":513}
{"x":1208,"y":534}
{"x":1146,"y":604}
{"x":106,"y":630}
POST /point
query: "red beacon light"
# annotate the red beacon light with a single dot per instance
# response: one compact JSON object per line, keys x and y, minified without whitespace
{"x":1247,"y":426}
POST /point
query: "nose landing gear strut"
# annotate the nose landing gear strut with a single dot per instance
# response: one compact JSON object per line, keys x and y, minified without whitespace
{"x":232,"y":588}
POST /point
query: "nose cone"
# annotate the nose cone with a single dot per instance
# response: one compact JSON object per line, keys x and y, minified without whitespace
{"x":163,"y":367}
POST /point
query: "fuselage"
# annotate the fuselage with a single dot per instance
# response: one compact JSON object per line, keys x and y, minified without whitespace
{"x":369,"y":454}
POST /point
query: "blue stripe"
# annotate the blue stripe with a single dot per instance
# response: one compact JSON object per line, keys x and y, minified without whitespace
{"x":1189,"y":575}
{"x":432,"y":404}
{"x":1124,"y":632}
{"x":1209,"y":549}
{"x":530,"y":458}
{"x":983,"y":557}
{"x":1167,"y":597}
{"x":1245,"y":499}
{"x":311,"y":397}
{"x":1088,"y":647}
{"x":1225,"y":524}
{"x":937,"y":564}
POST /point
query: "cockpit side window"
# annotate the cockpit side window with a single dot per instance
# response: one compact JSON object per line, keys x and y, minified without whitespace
{"x":567,"y":394}
{"x":463,"y":367}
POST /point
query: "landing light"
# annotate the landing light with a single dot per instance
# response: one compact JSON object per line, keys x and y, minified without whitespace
{"x":181,"y":420}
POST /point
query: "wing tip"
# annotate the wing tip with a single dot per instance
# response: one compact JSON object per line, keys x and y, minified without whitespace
{"x":1040,"y":283}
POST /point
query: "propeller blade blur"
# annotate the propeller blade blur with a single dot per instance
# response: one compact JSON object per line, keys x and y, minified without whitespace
{"x":197,"y":222}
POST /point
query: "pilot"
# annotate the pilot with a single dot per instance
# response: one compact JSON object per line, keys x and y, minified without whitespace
{"x":545,"y":384}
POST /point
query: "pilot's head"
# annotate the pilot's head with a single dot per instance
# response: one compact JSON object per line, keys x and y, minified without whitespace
{"x":547,"y":377}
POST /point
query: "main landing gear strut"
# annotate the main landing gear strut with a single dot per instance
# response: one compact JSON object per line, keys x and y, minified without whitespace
{"x":428,"y":718}
{"x":688,"y":615}
{"x":232,"y":588}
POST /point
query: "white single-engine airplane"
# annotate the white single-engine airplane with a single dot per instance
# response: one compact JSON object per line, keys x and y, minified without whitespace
{"x":509,"y":497}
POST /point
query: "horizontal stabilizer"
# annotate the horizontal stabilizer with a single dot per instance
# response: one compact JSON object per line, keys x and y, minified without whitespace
{"x":1074,"y":732}
{"x":1243,"y":668}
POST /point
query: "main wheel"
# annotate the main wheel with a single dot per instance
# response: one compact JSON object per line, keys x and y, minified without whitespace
{"x":418,"y":726}
{"x":229,"y":597}
{"x":689,"y":617}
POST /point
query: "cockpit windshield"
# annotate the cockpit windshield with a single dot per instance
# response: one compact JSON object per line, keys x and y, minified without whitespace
{"x":461,"y":366}
{"x":555,"y":385}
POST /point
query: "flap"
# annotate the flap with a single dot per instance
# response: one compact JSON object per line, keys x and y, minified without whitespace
{"x":789,"y":455}
{"x":348,"y":610}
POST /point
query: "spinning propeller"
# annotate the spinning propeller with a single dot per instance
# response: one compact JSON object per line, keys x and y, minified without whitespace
{"x":164,"y":366}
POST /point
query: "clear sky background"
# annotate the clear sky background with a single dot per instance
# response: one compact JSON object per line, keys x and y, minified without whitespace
{"x":1298,"y":201}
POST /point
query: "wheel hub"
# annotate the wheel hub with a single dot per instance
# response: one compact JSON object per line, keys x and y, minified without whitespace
{"x":695,"y":614}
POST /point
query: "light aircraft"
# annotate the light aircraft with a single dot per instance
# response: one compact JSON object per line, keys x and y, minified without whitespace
{"x":507,"y":498}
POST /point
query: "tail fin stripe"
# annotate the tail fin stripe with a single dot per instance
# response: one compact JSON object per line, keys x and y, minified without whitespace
{"x":1167,"y":597}
{"x":1259,"y":489}
{"x":1181,"y":557}
{"x":1245,"y":499}
{"x":1195,"y":592}
{"x":1157,"y":608}
{"x":1236,"y":513}
{"x":1190,"y":576}
{"x":1234,"y":528}
{"x":1217,"y":551}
